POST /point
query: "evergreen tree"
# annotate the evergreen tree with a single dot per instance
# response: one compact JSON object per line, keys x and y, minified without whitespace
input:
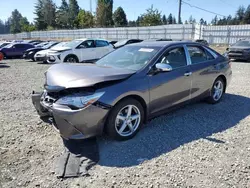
{"x":164,"y":20}
{"x":247,"y":15}
{"x":73,"y":12}
{"x":62,"y":15}
{"x":15,"y":26}
{"x":174,"y":20}
{"x":240,"y":14}
{"x":170,"y":19}
{"x":39,"y":12}
{"x":85,"y":19}
{"x":132,"y":23}
{"x":152,"y":17}
{"x":214,"y":20}
{"x":120,"y":18}
{"x":104,"y":12}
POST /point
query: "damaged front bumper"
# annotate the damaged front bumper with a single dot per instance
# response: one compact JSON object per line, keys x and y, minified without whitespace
{"x":72,"y":124}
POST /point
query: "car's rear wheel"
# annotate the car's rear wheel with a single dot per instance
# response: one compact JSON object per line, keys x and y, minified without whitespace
{"x":217,"y":91}
{"x":71,"y":59}
{"x":125,"y":119}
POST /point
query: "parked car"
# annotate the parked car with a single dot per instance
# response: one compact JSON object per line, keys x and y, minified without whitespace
{"x":43,"y":54}
{"x":163,"y":39}
{"x":30,"y":53}
{"x":240,"y":50}
{"x":125,"y":42}
{"x":34,"y":41}
{"x":127,"y":87}
{"x":15,"y":49}
{"x":80,"y":50}
{"x":202,"y":41}
{"x":4,"y":44}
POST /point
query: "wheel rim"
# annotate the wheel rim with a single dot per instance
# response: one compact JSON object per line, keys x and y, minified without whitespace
{"x":71,"y":60}
{"x":218,"y":90}
{"x":127,"y":120}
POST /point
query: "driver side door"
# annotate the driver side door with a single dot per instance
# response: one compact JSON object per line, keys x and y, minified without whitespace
{"x":86,"y":51}
{"x":168,"y":89}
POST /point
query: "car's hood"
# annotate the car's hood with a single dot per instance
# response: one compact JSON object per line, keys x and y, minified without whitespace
{"x":59,"y":49}
{"x":62,"y":76}
{"x":34,"y":49}
{"x":239,"y":48}
{"x":43,"y":52}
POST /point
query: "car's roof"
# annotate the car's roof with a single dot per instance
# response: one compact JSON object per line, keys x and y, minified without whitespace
{"x":162,"y":43}
{"x":83,"y":39}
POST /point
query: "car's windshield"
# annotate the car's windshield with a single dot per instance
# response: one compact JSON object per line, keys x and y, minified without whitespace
{"x":59,"y":45}
{"x":73,"y":43}
{"x":121,"y":42}
{"x":49,"y":45}
{"x":129,"y":57}
{"x":242,"y":43}
{"x":9,"y":45}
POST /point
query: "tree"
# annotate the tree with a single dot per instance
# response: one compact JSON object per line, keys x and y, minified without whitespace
{"x":191,"y":20}
{"x":104,"y":12}
{"x":186,"y":22}
{"x":85,"y":19}
{"x":15,"y":26}
{"x":214,"y":20}
{"x":138,"y":21}
{"x":25,"y":25}
{"x":247,"y":15}
{"x":164,"y":20}
{"x":62,"y":15}
{"x":73,"y":12}
{"x":202,"y":21}
{"x":174,"y":20}
{"x":132,"y":23}
{"x":45,"y":11}
{"x":170,"y":19}
{"x":240,"y":14}
{"x":152,"y":17}
{"x":120,"y":18}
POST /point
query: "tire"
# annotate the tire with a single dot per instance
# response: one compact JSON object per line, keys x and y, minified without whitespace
{"x":115,"y":124}
{"x":33,"y":59}
{"x":71,"y":59}
{"x":216,"y":98}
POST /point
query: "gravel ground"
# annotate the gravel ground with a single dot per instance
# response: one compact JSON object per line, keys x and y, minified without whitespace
{"x":200,"y":145}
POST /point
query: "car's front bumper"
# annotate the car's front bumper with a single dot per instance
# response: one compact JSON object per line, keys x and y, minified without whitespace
{"x":239,"y":55}
{"x":72,"y":124}
{"x":40,"y":58}
{"x":54,"y":58}
{"x":28,"y":56}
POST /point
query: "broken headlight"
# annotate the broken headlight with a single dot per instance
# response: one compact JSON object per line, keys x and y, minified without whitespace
{"x":79,"y":101}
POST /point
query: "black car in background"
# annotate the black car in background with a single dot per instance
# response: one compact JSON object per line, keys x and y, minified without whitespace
{"x":202,"y":41}
{"x":124,"y":42}
{"x":240,"y":50}
{"x":30,"y":53}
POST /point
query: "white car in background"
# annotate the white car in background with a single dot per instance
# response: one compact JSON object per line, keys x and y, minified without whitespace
{"x":80,"y":50}
{"x":43,"y":54}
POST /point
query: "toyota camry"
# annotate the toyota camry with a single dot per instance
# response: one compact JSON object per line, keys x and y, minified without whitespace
{"x":129,"y":86}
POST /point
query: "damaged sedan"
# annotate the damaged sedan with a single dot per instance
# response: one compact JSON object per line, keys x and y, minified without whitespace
{"x":129,"y":86}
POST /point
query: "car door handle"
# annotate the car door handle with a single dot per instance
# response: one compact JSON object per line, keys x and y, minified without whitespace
{"x":188,"y":74}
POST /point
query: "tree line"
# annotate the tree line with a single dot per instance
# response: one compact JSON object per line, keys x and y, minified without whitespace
{"x":69,"y":15}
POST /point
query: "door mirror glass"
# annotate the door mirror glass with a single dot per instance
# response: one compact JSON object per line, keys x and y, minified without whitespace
{"x":163,"y":67}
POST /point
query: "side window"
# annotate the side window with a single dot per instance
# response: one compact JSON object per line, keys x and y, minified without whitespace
{"x":209,"y":56}
{"x":101,"y":43}
{"x":19,"y":46}
{"x":175,"y":57}
{"x":197,"y":54}
{"x":87,"y":44}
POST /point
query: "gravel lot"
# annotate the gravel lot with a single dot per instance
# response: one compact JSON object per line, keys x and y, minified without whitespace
{"x":200,"y":145}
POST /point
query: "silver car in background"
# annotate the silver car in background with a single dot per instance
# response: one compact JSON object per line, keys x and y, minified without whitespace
{"x":129,"y":86}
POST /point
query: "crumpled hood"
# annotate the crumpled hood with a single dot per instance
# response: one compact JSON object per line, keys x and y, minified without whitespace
{"x":62,"y":76}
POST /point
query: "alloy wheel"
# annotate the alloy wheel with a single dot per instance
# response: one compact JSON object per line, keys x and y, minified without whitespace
{"x":218,"y":90}
{"x":128,"y":120}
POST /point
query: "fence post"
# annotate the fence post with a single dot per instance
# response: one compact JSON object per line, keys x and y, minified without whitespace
{"x":138,"y":32}
{"x":165,"y":32}
{"x":228,"y":35}
{"x":183,"y":32}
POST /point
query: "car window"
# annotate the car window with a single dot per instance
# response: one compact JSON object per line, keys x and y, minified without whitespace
{"x":19,"y":46}
{"x":175,"y":57}
{"x":87,"y":44}
{"x":209,"y":55}
{"x":197,"y":54}
{"x":101,"y":43}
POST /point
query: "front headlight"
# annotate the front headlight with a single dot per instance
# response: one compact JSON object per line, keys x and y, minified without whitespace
{"x":31,"y":53}
{"x":79,"y":101}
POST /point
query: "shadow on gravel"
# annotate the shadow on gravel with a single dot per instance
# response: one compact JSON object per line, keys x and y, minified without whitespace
{"x":4,"y":66}
{"x":166,"y":133}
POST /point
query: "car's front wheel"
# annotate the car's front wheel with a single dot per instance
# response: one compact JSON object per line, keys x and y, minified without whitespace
{"x":71,"y":59}
{"x":125,"y":119}
{"x":217,"y":91}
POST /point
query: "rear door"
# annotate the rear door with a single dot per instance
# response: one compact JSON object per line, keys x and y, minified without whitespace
{"x":19,"y":49}
{"x":102,"y":48}
{"x":203,"y":65}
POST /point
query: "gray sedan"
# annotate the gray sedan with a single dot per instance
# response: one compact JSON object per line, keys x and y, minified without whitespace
{"x":129,"y":86}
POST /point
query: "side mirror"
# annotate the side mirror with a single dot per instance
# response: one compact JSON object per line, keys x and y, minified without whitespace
{"x":163,"y":67}
{"x":227,"y":49}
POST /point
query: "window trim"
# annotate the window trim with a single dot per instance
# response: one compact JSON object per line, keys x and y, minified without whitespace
{"x":86,"y":41}
{"x":168,"y":49}
{"x":204,"y":49}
